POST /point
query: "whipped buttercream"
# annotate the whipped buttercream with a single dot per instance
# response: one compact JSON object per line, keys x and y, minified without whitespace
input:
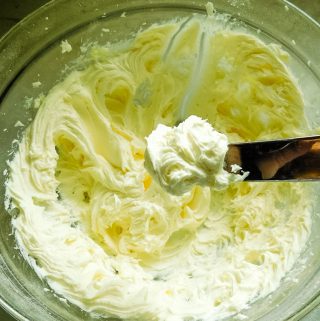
{"x":192,"y":153}
{"x":103,"y":234}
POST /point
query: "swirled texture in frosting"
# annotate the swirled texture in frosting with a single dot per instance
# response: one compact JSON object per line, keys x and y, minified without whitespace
{"x":103,"y":233}
{"x":192,"y":153}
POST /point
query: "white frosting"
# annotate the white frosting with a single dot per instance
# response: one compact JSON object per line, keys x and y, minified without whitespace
{"x":192,"y":153}
{"x":65,"y":46}
{"x":103,"y":234}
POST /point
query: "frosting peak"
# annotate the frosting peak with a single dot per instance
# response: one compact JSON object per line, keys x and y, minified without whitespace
{"x":189,"y":154}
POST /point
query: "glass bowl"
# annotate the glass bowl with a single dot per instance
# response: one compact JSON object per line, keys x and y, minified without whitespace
{"x":31,"y":52}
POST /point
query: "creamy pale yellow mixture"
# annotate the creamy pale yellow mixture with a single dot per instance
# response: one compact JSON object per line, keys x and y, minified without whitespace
{"x":103,"y":233}
{"x":191,"y":153}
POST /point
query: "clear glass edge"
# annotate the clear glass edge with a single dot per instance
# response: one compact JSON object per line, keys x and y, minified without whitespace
{"x":15,"y":32}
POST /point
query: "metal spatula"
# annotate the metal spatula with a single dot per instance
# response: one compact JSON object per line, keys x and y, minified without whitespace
{"x":293,"y":159}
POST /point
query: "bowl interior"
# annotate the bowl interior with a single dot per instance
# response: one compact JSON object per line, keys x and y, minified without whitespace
{"x":35,"y":55}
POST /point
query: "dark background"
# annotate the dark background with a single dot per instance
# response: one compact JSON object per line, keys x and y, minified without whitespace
{"x":11,"y":11}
